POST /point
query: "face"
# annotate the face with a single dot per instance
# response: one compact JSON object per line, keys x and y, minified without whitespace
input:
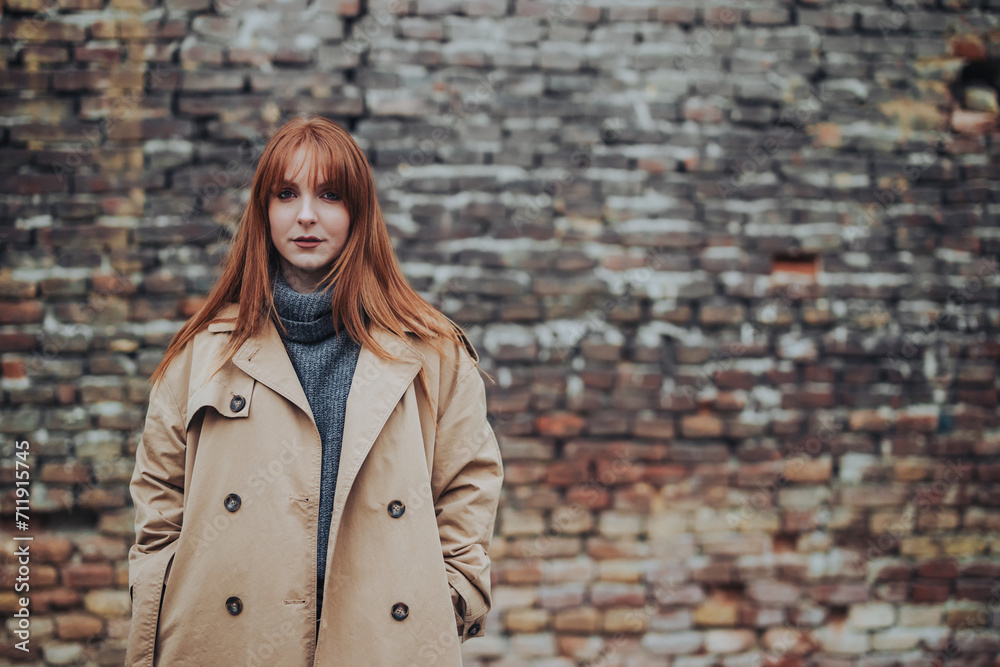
{"x":309,"y":224}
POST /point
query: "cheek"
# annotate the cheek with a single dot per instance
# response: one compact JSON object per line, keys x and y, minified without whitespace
{"x":274,"y":221}
{"x":340,"y":222}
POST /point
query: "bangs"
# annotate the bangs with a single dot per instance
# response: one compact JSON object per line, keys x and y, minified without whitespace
{"x":322,"y":166}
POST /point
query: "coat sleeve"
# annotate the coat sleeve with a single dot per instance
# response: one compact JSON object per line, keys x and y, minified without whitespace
{"x":466,"y":481}
{"x":157,"y":490}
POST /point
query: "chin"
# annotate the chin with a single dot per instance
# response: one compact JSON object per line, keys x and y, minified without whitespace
{"x":313,"y":268}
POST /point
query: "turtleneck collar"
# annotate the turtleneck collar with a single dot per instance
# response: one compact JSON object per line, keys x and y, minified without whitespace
{"x":307,"y":317}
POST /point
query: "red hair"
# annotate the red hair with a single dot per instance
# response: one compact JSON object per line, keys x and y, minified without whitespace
{"x":370,"y":288}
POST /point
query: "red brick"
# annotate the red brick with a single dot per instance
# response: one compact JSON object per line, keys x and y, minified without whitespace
{"x":568,"y":472}
{"x":981,"y":590}
{"x":678,"y":14}
{"x":563,"y":424}
{"x":69,"y":472}
{"x":87,"y":575}
{"x":56,"y":598}
{"x":701,"y":426}
{"x":24,"y":312}
{"x":78,"y":626}
{"x":944,"y":568}
{"x":930,"y":591}
{"x":839,"y":594}
{"x":48,"y":548}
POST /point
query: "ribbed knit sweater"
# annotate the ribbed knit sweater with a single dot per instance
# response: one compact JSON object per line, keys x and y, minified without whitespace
{"x":325,"y":365}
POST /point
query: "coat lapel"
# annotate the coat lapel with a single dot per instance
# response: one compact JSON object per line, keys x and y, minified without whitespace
{"x":376,"y":389}
{"x":265,"y":359}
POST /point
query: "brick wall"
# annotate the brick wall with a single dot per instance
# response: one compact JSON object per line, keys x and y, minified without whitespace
{"x":732,"y":263}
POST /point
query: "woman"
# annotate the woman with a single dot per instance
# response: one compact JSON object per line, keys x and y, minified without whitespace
{"x":316,"y":482}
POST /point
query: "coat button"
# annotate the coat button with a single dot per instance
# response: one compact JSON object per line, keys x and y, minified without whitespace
{"x":473,"y":629}
{"x":237,"y":403}
{"x":234,"y":605}
{"x":396,"y":509}
{"x":232,"y":502}
{"x":400,"y":611}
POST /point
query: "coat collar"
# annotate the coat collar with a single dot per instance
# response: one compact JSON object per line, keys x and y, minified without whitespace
{"x":265,"y":359}
{"x":376,"y":387}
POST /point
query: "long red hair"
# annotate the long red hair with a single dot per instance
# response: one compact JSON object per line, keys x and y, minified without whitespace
{"x":370,"y":288}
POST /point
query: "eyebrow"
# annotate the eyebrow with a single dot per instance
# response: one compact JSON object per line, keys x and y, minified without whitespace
{"x":285,"y":182}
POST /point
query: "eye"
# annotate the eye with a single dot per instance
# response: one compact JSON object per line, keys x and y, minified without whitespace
{"x":280,"y":194}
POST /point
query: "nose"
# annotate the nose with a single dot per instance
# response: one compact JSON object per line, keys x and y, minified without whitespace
{"x":307,"y":213}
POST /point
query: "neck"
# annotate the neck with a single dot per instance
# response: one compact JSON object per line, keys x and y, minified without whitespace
{"x":300,"y":280}
{"x":307,"y":316}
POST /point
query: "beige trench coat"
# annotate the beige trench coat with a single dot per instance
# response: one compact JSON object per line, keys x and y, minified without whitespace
{"x":226,"y":491}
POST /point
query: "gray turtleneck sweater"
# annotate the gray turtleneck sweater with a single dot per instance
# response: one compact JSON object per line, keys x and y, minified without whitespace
{"x":325,"y":365}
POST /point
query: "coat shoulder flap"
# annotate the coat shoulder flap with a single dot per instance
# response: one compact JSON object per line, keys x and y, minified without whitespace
{"x":230,"y":391}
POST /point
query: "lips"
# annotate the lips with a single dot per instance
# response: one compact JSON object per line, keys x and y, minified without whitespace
{"x":307,"y":241}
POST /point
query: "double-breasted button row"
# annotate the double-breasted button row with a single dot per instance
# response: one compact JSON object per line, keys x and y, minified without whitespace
{"x":396,"y":509}
{"x":232,"y":502}
{"x":234,"y":605}
{"x":237,"y":403}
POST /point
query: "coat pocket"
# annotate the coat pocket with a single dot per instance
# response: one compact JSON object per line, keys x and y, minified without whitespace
{"x":147,"y":580}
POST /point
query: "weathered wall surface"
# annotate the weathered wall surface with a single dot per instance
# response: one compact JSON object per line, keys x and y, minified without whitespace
{"x":733,"y":265}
